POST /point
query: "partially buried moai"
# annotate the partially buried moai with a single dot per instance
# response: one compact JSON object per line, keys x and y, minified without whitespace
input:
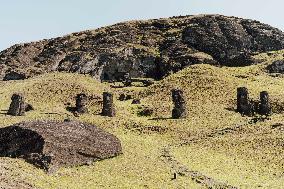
{"x":244,"y":106}
{"x":180,"y":110}
{"x":108,"y":105}
{"x":17,"y":106}
{"x":127,"y":80}
{"x":264,"y":106}
{"x":81,"y":103}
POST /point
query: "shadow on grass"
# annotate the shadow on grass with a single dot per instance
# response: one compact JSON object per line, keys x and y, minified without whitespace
{"x":4,"y":112}
{"x":161,"y":118}
{"x":231,"y":109}
{"x":117,"y":87}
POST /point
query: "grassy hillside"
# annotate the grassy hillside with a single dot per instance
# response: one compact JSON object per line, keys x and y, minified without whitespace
{"x":214,"y":143}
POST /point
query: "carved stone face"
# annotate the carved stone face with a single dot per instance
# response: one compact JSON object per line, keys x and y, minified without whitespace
{"x":242,"y":95}
{"x":177,"y":96}
{"x":243,"y":98}
{"x":17,"y":97}
{"x":107,"y":97}
{"x":264,"y":97}
{"x":81,"y":99}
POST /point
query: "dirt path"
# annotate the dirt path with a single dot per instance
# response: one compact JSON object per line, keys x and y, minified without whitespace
{"x":199,"y":178}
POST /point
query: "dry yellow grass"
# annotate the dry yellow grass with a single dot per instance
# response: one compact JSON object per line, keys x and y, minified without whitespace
{"x":250,"y":156}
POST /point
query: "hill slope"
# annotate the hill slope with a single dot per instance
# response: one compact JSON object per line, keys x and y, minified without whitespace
{"x":151,"y":48}
{"x":213,"y":147}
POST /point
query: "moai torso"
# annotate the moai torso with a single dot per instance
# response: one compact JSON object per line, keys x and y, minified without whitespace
{"x":127,"y":80}
{"x":108,"y":106}
{"x":180,"y":109}
{"x":244,"y":106}
{"x":17,"y":106}
{"x":264,"y":106}
{"x":81,"y":103}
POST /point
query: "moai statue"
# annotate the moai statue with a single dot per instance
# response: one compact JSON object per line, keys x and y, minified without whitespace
{"x":17,"y":106}
{"x":108,"y":106}
{"x":264,"y":106}
{"x":244,"y":105}
{"x":179,"y":110}
{"x":81,"y":103}
{"x":127,"y":80}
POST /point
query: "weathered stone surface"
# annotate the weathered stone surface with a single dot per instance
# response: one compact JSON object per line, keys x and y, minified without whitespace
{"x":276,"y":67}
{"x":127,"y":80}
{"x":244,"y":105}
{"x":136,"y":101}
{"x":14,"y":76}
{"x":108,"y":105}
{"x":18,"y":105}
{"x":81,"y":103}
{"x":180,"y":109}
{"x":231,"y":40}
{"x":50,"y":145}
{"x":151,"y":48}
{"x":264,"y":106}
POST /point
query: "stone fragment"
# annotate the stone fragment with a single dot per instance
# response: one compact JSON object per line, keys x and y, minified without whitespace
{"x":136,"y":101}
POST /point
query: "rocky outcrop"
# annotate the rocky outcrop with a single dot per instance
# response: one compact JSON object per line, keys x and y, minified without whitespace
{"x":50,"y":145}
{"x":152,"y":48}
{"x":276,"y":67}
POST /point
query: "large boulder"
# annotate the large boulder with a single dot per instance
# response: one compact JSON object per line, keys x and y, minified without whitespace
{"x":276,"y":67}
{"x":50,"y":144}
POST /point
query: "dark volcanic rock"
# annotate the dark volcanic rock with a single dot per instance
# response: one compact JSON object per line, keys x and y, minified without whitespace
{"x":276,"y":67}
{"x":50,"y":144}
{"x":136,"y":101}
{"x":264,"y":106}
{"x":231,"y":40}
{"x":108,"y":105}
{"x":151,"y":48}
{"x":81,"y":103}
{"x":14,"y":76}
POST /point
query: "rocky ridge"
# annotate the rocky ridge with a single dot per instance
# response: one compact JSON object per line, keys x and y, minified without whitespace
{"x":150,"y":48}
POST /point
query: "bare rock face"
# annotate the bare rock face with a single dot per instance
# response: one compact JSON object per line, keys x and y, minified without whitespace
{"x":149,"y":49}
{"x":50,"y":145}
{"x":81,"y":103}
{"x":231,"y":40}
{"x":108,"y":105}
{"x":179,"y":110}
{"x":17,"y":106}
{"x":276,"y":67}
